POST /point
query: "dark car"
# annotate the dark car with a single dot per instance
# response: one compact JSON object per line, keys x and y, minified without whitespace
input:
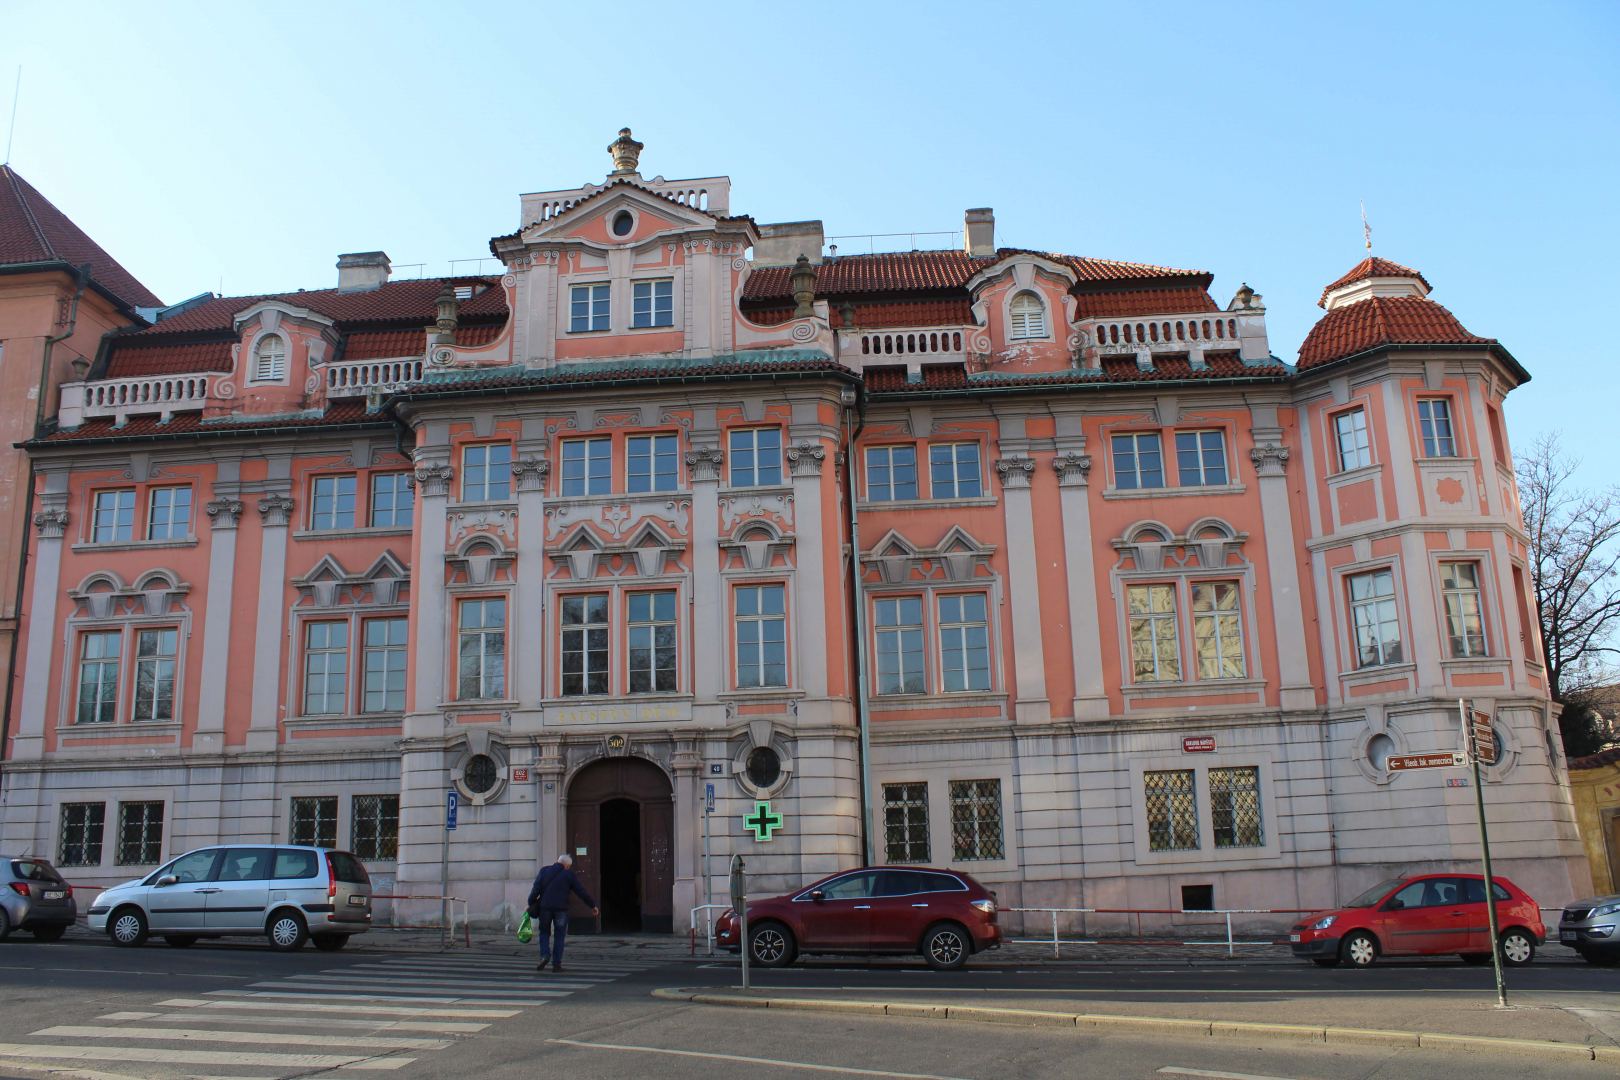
{"x":1423,"y":915}
{"x":1588,"y":927}
{"x":942,"y":914}
{"x":34,"y":897}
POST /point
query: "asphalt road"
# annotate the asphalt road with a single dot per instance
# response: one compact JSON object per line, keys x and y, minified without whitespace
{"x":85,"y":1009}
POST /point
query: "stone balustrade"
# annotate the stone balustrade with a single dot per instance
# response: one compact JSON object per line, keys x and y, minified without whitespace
{"x":357,"y":378}
{"x":942,"y":343}
{"x":147,"y":395}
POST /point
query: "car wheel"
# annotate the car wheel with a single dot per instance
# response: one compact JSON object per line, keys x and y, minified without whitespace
{"x":1360,"y":949}
{"x":180,"y":941}
{"x":1325,"y":961}
{"x":1518,"y":948}
{"x":1476,"y":958}
{"x":771,"y":945}
{"x":49,"y":933}
{"x":127,"y":927}
{"x":946,"y":947}
{"x":330,"y":942}
{"x":286,"y":931}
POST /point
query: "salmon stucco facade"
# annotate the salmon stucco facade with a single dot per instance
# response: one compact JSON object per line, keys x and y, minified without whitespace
{"x":1043,"y":565}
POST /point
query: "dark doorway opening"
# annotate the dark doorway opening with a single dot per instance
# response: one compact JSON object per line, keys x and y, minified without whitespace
{"x":621,"y":866}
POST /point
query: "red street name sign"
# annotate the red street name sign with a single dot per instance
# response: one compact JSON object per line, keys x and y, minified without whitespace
{"x":1401,"y":762}
{"x":1198,"y":744}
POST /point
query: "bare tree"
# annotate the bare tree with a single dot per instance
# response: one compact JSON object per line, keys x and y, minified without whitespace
{"x":1575,"y":553}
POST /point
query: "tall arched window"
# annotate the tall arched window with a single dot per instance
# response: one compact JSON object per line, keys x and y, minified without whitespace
{"x":270,"y":359}
{"x":1028,"y":317}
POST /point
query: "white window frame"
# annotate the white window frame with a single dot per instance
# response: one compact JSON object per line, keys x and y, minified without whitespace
{"x":1200,"y":474}
{"x":333,"y":517}
{"x":117,"y":530}
{"x":1026,"y":317}
{"x":104,"y":696}
{"x":156,"y":662}
{"x":591,"y":480}
{"x":489,"y":487}
{"x":961,"y":629}
{"x":1454,"y":601}
{"x":1352,"y":440}
{"x":886,"y":493}
{"x":652,"y":303}
{"x":1436,"y":443}
{"x":750,"y":439}
{"x":270,"y":359}
{"x":169,"y":518}
{"x":1216,"y":617}
{"x":1370,"y":613}
{"x":491,"y":687}
{"x":660,"y":658}
{"x":655,"y":449}
{"x":955,"y":455}
{"x":889,"y":645}
{"x":401,"y":499}
{"x":326,"y":654}
{"x":389,"y":651}
{"x":576,"y":638}
{"x":1155,"y":622}
{"x":597,"y":297}
{"x":762,"y":623}
{"x":1137,"y":440}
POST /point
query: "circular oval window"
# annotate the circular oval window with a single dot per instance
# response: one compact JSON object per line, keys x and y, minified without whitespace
{"x":764,"y":767}
{"x":480,"y":774}
{"x":623,"y":222}
{"x":1501,"y":744}
{"x":1379,"y":747}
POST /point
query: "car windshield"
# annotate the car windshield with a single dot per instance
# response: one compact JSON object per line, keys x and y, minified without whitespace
{"x":1374,"y":894}
{"x":31,"y":870}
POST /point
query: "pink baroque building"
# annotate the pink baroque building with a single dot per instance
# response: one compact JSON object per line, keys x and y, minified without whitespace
{"x":1042,"y":564}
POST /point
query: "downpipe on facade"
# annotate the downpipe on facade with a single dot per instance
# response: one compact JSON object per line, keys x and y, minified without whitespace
{"x":855,"y":404}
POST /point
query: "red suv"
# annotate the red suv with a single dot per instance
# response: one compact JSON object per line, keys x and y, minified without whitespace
{"x":1423,"y":915}
{"x":943,"y":914}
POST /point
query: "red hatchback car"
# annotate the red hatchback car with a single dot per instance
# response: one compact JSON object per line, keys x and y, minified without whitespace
{"x":1423,"y":915}
{"x":942,"y":914}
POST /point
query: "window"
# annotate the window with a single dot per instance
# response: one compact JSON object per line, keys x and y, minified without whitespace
{"x":954,"y":471}
{"x":481,"y":658}
{"x":169,"y":514}
{"x":314,"y":821}
{"x":585,"y":644}
{"x":486,"y":472}
{"x":964,"y":642}
{"x":1172,"y":810}
{"x":652,"y":642}
{"x":154,"y":673}
{"x":891,"y":473}
{"x":384,"y":657}
{"x":332,"y":506}
{"x":1465,"y":623}
{"x":1372,"y":613}
{"x":244,"y":864}
{"x":98,"y":676}
{"x":899,"y":633}
{"x":326,"y":668}
{"x":756,"y":457}
{"x":1217,"y":630}
{"x":113,"y":516}
{"x":1434,"y":417}
{"x":140,"y":833}
{"x":1138,"y":461}
{"x":480,"y":774}
{"x":1155,"y":651}
{"x":1028,"y":317}
{"x":82,"y":826}
{"x":652,"y":303}
{"x":764,"y":767}
{"x":653,"y":463}
{"x":1234,"y":807}
{"x":905,"y":823}
{"x":587,"y":467}
{"x":293,"y":864}
{"x":393,"y":500}
{"x":761,"y":636}
{"x":270,"y":359}
{"x":374,"y":827}
{"x":1350,"y":430}
{"x":975,"y":819}
{"x":588,"y":308}
{"x":1200,"y":458}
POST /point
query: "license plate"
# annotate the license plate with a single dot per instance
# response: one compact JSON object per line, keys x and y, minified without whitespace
{"x":357,"y":901}
{"x":55,"y":894}
{"x":1293,"y":937}
{"x":1568,"y":935}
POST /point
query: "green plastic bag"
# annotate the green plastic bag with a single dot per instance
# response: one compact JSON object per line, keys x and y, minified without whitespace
{"x":525,"y":929}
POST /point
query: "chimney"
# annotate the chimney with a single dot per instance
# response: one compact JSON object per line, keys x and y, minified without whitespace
{"x":362,"y":271}
{"x":782,"y":244}
{"x":979,"y":231}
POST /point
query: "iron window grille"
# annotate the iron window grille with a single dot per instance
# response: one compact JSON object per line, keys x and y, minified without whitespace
{"x":82,"y":827}
{"x":374,"y":827}
{"x":1155,"y":645}
{"x":1217,"y":630}
{"x":383,"y":689}
{"x":905,"y":823}
{"x":154,"y":673}
{"x":1434,"y":418}
{"x":1201,"y":458}
{"x":652,"y":303}
{"x":169,"y":514}
{"x":1350,"y":430}
{"x":480,"y":774}
{"x":1138,"y":461}
{"x":1172,"y":810}
{"x":486,"y":472}
{"x":140,"y":833}
{"x":481,"y":666}
{"x":112,"y":518}
{"x":332,"y":506}
{"x":585,"y":644}
{"x":314,"y":821}
{"x":393,"y":501}
{"x":652,"y":642}
{"x":756,"y":457}
{"x":964,"y":642}
{"x":1373,"y":615}
{"x":588,"y":308}
{"x":976,"y":819}
{"x":587,"y":467}
{"x":761,"y":635}
{"x":954,"y":471}
{"x":899,"y":632}
{"x":891,"y":473}
{"x":99,"y":656}
{"x":326,"y":668}
{"x":1234,"y":807}
{"x":652,"y":463}
{"x":1465,"y":621}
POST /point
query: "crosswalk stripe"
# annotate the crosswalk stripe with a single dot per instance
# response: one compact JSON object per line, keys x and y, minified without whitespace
{"x":364,"y":1042}
{"x":197,"y":1016}
{"x":197,"y":1057}
{"x":433,"y":993}
{"x":250,"y":1005}
{"x":508,"y":961}
{"x":434,"y":981}
{"x":305,"y":996}
{"x":516,"y":970}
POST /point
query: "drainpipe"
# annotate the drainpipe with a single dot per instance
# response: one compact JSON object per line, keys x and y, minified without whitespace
{"x":855,"y":403}
{"x":82,"y":277}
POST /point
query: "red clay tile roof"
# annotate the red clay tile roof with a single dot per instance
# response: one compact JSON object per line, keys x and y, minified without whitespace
{"x":395,"y":301}
{"x":410,"y":341}
{"x":1372,"y":266}
{"x":932,"y":271}
{"x":1126,"y":302}
{"x":1382,"y":320}
{"x":1597,"y":760}
{"x":183,"y":424}
{"x":32,"y":229}
{"x":167,"y":358}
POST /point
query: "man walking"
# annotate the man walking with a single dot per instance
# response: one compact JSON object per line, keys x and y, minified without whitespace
{"x":548,"y":907}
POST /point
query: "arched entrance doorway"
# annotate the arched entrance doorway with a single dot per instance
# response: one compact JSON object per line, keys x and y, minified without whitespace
{"x":621,"y":831}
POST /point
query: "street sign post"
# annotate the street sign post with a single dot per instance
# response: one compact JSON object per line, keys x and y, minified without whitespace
{"x":708,"y":865}
{"x":452,"y":805}
{"x":739,"y":904}
{"x":1402,"y":762}
{"x":1483,"y":734}
{"x":1476,"y":748}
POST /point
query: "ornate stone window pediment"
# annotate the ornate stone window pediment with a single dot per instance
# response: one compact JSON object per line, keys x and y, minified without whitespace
{"x":1209,"y":544}
{"x":758,"y":543}
{"x":645,"y":552}
{"x":103,"y":595}
{"x":329,"y":585}
{"x":957,"y":557}
{"x":480,"y":560}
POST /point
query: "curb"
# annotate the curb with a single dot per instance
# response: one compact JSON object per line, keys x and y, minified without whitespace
{"x":1158,"y":1025}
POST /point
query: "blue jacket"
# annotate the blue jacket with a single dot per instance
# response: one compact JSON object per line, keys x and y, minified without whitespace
{"x":552,"y":886}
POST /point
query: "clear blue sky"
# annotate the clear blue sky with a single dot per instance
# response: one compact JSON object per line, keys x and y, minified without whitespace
{"x":250,"y":144}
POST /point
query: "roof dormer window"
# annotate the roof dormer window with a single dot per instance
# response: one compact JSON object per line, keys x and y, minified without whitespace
{"x":1027,"y":317}
{"x":270,"y":359}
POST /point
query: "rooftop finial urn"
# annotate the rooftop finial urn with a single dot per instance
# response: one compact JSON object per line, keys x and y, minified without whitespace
{"x":626,"y":152}
{"x":449,"y":315}
{"x":803,"y":283}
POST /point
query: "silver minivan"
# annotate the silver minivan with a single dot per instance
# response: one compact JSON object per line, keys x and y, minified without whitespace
{"x":290,"y":894}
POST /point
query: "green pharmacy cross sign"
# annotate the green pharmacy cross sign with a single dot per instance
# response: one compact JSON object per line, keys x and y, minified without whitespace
{"x":762,"y":822}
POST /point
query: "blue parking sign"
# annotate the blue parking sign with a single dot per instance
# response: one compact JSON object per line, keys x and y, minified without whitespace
{"x":452,"y":802}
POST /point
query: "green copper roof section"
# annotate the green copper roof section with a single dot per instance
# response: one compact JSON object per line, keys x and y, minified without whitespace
{"x":629,"y":367}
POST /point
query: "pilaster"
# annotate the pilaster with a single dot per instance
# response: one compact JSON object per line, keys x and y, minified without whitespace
{"x":224,"y":513}
{"x":50,"y":526}
{"x":432,"y":478}
{"x":1270,"y":458}
{"x":1073,"y":472}
{"x":275,"y":515}
{"x":805,"y":461}
{"x":1029,"y":659}
{"x":529,"y":472}
{"x":708,"y":605}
